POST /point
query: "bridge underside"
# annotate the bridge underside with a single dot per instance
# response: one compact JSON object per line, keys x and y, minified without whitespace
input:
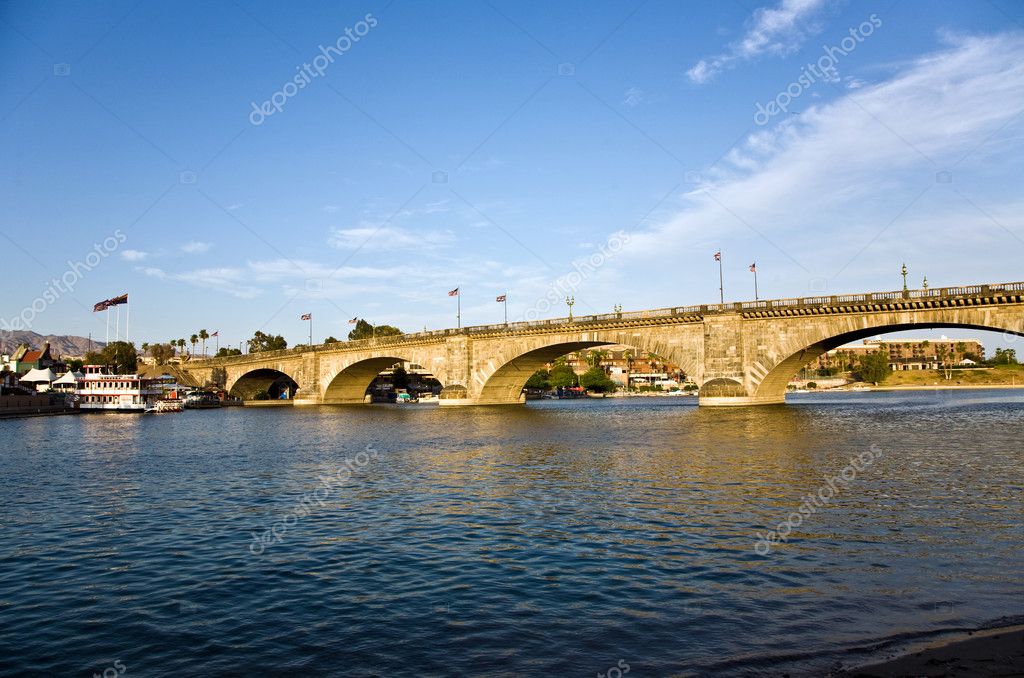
{"x":264,"y":384}
{"x":350,"y":385}
{"x":505,"y":386}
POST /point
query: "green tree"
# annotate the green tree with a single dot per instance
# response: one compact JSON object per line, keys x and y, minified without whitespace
{"x":224,"y":352}
{"x":1006,"y":356}
{"x":539,"y":380}
{"x":181,"y":347}
{"x":194,"y":339}
{"x":399,"y":378}
{"x":266,"y":342}
{"x":118,"y":356}
{"x":203,"y":336}
{"x":364,"y":330}
{"x":874,"y":367}
{"x":562,"y":375}
{"x":331,"y":340}
{"x":75,"y":365}
{"x":595,"y":379}
{"x":161,"y":352}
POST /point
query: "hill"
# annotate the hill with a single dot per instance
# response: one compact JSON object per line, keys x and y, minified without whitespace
{"x":60,"y":345}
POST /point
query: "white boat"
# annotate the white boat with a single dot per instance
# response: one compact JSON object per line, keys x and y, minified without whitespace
{"x":166,"y":405}
{"x":99,"y":391}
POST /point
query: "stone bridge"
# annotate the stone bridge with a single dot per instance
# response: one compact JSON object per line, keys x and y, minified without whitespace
{"x":738,"y":353}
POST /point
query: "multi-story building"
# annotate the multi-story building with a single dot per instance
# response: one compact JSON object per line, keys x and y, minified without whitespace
{"x":908,"y":354}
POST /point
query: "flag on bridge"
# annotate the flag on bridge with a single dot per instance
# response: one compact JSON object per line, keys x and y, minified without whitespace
{"x":753,"y":267}
{"x":353,"y":321}
{"x":718,"y":256}
{"x":306,"y":316}
{"x":216,"y":334}
{"x":501,"y":298}
{"x":454,"y":293}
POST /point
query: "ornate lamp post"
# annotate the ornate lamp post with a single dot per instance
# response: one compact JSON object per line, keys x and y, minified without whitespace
{"x":569,"y":301}
{"x":618,"y":309}
{"x":925,"y":283}
{"x":906,"y":290}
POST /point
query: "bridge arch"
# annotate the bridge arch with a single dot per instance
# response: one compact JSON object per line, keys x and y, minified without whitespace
{"x":502,"y":378}
{"x":271,"y":382}
{"x":801,"y":347}
{"x":348,"y":386}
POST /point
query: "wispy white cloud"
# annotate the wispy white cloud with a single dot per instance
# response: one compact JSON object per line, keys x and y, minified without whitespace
{"x":828,"y":190}
{"x":196,"y":247}
{"x":374,"y":237}
{"x":133,"y":255}
{"x":775,"y":31}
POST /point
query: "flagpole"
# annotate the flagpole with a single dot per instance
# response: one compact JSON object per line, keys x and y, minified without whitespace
{"x":755,"y":281}
{"x":106,"y":336}
{"x":721,"y":281}
{"x":117,"y":328}
{"x":458,"y":312}
{"x":311,"y":330}
{"x":127,"y":318}
{"x":506,"y":308}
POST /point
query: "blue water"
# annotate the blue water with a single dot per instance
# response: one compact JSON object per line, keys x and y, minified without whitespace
{"x":560,"y":538}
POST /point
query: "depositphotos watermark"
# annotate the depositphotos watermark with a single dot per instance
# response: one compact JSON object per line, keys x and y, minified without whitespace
{"x":816,"y":500}
{"x":112,"y":671}
{"x":306,"y":72}
{"x":823,"y":69}
{"x":582,"y":269}
{"x":618,"y":671}
{"x":275,"y":533}
{"x":65,"y":284}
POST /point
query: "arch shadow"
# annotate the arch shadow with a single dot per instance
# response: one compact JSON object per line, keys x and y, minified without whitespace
{"x":264,"y":381}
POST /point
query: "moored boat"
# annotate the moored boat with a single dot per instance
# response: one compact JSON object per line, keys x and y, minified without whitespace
{"x":201,"y":400}
{"x":99,"y":391}
{"x":166,"y":405}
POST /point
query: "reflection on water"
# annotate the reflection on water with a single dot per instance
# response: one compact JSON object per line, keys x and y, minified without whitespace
{"x":556,"y":538}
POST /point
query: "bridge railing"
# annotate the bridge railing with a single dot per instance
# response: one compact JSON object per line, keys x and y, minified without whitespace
{"x":676,"y":311}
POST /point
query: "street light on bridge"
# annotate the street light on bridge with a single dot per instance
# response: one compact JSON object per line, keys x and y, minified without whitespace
{"x":569,"y":301}
{"x":906,"y":291}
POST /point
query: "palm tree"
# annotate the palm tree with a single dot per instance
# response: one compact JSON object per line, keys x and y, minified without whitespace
{"x":194,"y":339}
{"x":181,"y":346}
{"x":204,"y":336}
{"x":145,"y":347}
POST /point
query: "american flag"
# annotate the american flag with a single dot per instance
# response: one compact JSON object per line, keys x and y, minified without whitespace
{"x":454,"y":293}
{"x":501,"y":298}
{"x":353,"y":321}
{"x":753,"y":267}
{"x":216,"y":334}
{"x":718,"y":256}
{"x":306,"y":316}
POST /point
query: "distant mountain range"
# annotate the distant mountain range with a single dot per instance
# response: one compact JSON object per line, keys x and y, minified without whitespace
{"x":60,"y":345}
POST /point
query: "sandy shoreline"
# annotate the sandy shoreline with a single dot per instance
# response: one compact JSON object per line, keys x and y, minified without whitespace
{"x":987,"y":652}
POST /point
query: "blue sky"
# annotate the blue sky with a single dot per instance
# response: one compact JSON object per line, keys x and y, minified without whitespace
{"x":490,"y":146}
